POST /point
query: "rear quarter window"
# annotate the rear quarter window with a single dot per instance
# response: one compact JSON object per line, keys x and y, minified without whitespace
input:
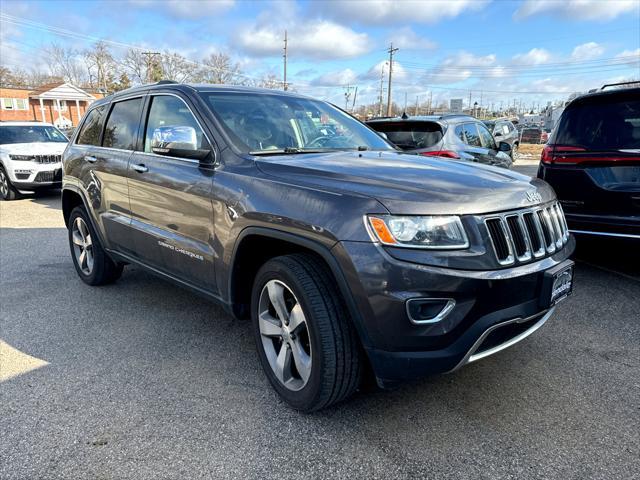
{"x":602,"y":123}
{"x":92,"y":127}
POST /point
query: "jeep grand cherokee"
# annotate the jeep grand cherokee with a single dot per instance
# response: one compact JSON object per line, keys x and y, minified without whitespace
{"x":347,"y":255}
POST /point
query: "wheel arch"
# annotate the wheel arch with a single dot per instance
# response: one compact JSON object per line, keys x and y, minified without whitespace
{"x":246,"y":260}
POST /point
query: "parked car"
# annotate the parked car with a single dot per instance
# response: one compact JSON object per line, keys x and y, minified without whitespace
{"x":592,"y":160}
{"x":30,"y":154}
{"x":347,"y":255}
{"x":459,"y":137}
{"x":504,"y":131}
{"x":535,"y":135}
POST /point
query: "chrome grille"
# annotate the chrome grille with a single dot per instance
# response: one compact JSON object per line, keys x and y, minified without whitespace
{"x":526,"y":234}
{"x":47,"y":158}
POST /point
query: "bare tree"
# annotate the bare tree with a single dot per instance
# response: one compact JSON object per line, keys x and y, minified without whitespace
{"x":270,"y":81}
{"x":177,"y":68}
{"x":134,"y":63}
{"x":219,"y":68}
{"x":101,"y":66}
{"x":65,"y":63}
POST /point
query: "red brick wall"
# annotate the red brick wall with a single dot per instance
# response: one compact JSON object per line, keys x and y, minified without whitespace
{"x":34,"y":113}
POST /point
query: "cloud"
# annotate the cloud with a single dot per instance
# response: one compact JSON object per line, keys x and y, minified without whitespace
{"x":535,"y":56}
{"x":399,"y":72}
{"x":629,"y":53}
{"x":407,"y":39}
{"x":318,"y":39}
{"x":394,"y":11}
{"x":460,"y":67}
{"x":191,"y":9}
{"x":577,"y":9}
{"x":340,"y":77}
{"x":587,"y":51}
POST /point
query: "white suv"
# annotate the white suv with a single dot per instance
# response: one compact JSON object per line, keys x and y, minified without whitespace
{"x":30,"y":155}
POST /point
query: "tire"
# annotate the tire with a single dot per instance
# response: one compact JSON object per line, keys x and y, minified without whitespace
{"x":7,"y":190}
{"x":95,"y":267}
{"x":331,"y":342}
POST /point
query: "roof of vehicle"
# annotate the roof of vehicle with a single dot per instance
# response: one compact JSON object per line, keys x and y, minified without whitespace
{"x":194,"y":87}
{"x":605,"y":93}
{"x":446,"y":118}
{"x":25,"y":124}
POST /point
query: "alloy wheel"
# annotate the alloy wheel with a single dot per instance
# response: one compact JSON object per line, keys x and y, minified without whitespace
{"x":82,"y":245}
{"x":285,"y":335}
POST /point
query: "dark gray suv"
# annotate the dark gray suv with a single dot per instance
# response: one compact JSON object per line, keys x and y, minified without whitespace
{"x":350,"y":257}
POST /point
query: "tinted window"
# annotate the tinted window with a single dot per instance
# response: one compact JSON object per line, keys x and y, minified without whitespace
{"x":459,"y":131}
{"x":601,"y":124}
{"x":169,"y":111}
{"x":265,"y":122}
{"x":30,"y":134}
{"x":471,"y":132}
{"x":92,"y":127}
{"x":410,"y":135}
{"x":486,"y":138}
{"x":122,"y":125}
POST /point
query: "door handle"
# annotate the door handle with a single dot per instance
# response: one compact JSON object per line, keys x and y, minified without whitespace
{"x":90,"y":159}
{"x":141,"y":168}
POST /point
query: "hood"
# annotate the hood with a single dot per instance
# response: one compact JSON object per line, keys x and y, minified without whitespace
{"x":409,"y":184}
{"x":38,"y":148}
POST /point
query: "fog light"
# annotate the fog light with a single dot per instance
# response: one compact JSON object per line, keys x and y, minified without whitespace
{"x":429,"y":310}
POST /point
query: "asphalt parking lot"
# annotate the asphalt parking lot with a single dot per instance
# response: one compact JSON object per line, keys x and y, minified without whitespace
{"x":142,"y":379}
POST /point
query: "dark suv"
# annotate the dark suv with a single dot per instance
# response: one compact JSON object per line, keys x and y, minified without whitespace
{"x":504,"y":130}
{"x":593,"y":161}
{"x":460,"y":137}
{"x":349,"y":256}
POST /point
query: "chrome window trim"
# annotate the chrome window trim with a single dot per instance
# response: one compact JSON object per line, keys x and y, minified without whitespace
{"x":444,"y":313}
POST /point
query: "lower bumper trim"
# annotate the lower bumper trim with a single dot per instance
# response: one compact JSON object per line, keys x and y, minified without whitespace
{"x":472,"y":356}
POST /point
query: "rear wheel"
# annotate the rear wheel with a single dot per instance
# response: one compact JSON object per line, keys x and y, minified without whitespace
{"x":7,"y":190}
{"x":305,"y":340}
{"x":92,"y":263}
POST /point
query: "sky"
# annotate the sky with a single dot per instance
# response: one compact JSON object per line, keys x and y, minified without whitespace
{"x":499,"y":51}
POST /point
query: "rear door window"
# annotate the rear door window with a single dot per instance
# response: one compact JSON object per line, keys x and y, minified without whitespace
{"x":122,"y":126}
{"x":471,"y":133}
{"x":92,"y":127}
{"x":601,"y":124}
{"x":411,"y":135}
{"x":485,"y":137}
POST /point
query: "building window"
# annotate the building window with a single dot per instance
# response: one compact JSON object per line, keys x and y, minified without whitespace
{"x":63,"y":106}
{"x":14,"y":103}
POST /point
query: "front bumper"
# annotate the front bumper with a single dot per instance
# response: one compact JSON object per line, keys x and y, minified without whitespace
{"x":35,"y":178}
{"x":492,"y":308}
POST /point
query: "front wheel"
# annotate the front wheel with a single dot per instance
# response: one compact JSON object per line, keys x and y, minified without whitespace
{"x":7,"y":190}
{"x":307,"y":345}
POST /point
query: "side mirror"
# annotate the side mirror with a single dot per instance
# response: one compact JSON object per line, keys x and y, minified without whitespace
{"x":177,"y":141}
{"x":383,"y":135}
{"x":504,"y":147}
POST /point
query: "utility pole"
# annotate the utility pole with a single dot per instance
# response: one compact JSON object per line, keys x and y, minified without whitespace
{"x":149,"y":55}
{"x":381,"y":88}
{"x":391,"y":52}
{"x":481,"y":103}
{"x":469,"y":102}
{"x":430,"y":104}
{"x":405,"y":101}
{"x":415,"y":112}
{"x":347,"y":96}
{"x":355,"y":96}
{"x":284,"y":56}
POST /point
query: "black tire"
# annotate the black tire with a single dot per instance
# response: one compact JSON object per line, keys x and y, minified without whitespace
{"x":337,"y":365}
{"x":104,"y":270}
{"x":7,"y":190}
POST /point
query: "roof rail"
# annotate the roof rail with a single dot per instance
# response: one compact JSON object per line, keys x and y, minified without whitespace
{"x":633,"y":82}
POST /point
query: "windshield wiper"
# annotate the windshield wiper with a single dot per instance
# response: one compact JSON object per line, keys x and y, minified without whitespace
{"x":290,"y":150}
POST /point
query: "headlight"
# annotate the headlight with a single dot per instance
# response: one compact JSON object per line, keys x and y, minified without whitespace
{"x":444,"y":232}
{"x":24,"y":158}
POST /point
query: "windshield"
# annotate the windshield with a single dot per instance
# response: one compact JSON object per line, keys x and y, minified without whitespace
{"x":263,"y":123}
{"x":601,"y":124}
{"x":30,"y":134}
{"x":410,"y":135}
